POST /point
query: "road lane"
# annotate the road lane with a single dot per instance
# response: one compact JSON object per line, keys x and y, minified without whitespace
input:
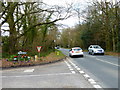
{"x":104,"y":69}
{"x":106,"y":58}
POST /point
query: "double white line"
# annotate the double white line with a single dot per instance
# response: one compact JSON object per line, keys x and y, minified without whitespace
{"x":70,"y":67}
{"x":92,"y":81}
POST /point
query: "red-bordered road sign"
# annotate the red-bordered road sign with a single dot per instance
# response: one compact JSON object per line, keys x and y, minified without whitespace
{"x":39,"y":48}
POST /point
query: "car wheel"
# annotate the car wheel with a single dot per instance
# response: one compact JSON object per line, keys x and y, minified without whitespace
{"x":82,"y":56}
{"x":70,"y":55}
{"x":88,"y":52}
{"x":92,"y":52}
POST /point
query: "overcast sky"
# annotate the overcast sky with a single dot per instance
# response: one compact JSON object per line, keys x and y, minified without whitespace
{"x":72,"y":21}
{"x":78,"y":3}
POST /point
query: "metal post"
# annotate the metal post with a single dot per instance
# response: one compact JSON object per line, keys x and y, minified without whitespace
{"x":39,"y":55}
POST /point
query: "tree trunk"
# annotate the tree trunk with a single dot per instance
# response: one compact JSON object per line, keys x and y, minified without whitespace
{"x":113,"y":40}
{"x":13,"y":33}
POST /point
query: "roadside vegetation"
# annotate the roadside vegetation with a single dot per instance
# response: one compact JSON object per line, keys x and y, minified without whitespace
{"x":30,"y":24}
{"x":101,"y":26}
{"x":33,"y":24}
{"x":113,"y":53}
{"x":51,"y":57}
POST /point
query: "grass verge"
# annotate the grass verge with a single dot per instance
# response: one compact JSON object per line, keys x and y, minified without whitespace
{"x":112,"y":53}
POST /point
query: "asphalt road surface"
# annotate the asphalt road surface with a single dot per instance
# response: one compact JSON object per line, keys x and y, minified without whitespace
{"x":55,"y":75}
{"x":102,"y":68}
{"x":90,"y":71}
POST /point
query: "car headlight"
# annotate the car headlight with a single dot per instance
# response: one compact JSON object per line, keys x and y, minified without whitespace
{"x":102,"y":50}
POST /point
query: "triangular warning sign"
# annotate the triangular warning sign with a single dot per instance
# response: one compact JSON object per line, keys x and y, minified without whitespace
{"x":39,"y":48}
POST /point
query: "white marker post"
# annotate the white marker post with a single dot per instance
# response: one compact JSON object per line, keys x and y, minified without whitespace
{"x":38,"y":49}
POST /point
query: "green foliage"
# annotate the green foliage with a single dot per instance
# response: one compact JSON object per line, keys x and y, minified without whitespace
{"x":87,"y":38}
{"x":101,"y":26}
{"x":43,"y":54}
{"x":28,"y":29}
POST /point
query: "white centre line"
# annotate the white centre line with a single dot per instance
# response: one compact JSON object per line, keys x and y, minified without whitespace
{"x":107,"y":62}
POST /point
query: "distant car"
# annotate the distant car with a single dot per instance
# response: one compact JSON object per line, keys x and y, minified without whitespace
{"x":95,"y":49}
{"x":76,"y":51}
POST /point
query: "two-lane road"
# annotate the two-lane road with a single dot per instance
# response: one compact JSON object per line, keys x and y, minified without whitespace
{"x":102,"y":68}
{"x":90,"y":71}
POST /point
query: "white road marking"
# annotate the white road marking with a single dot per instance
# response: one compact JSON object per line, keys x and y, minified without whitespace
{"x":97,"y":86}
{"x":73,"y":72}
{"x":86,"y":76}
{"x":29,"y":70}
{"x":69,"y":66}
{"x":78,"y":68}
{"x":107,"y":62}
{"x":81,"y":71}
{"x":91,"y":80}
{"x":72,"y":63}
{"x":104,"y":61}
{"x":71,"y":69}
{"x":66,"y":62}
{"x":56,"y":74}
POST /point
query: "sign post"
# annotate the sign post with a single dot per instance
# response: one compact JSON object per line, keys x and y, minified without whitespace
{"x":38,"y":49}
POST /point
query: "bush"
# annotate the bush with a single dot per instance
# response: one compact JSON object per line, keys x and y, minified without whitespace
{"x":5,"y":55}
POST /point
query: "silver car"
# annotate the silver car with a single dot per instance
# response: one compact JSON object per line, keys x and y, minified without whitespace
{"x":95,"y":49}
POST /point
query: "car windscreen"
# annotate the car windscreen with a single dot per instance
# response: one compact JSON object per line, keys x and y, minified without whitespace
{"x":96,"y":47}
{"x":77,"y":49}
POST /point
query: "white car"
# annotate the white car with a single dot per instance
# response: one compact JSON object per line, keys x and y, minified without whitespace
{"x":95,"y":49}
{"x":76,"y":51}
